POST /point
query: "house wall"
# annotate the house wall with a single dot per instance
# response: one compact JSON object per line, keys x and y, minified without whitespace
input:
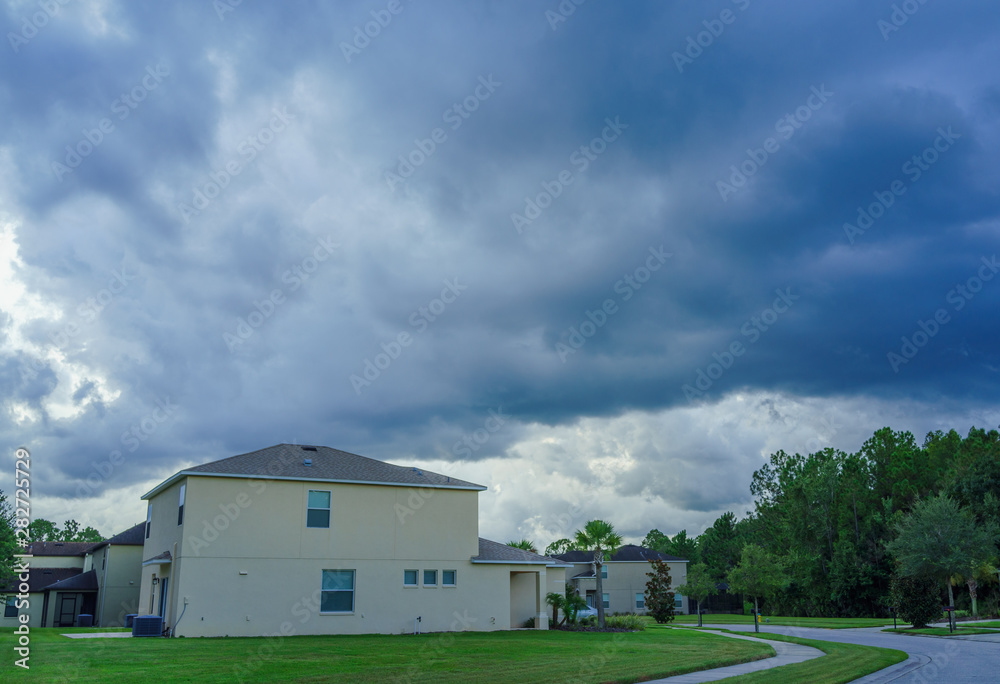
{"x":33,"y":610}
{"x":625,"y":580}
{"x":259,"y":527}
{"x":523,"y":592}
{"x":57,"y":562}
{"x":119,"y":582}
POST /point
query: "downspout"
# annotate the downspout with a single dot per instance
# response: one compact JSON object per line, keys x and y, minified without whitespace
{"x":172,"y":589}
{"x":104,"y":584}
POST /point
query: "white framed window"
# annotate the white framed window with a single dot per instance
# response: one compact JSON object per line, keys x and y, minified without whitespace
{"x":337,"y":592}
{"x":409,"y":578}
{"x":606,"y":600}
{"x":448,"y":578}
{"x":180,"y":505}
{"x":678,"y":601}
{"x":640,"y":601}
{"x":149,"y":517}
{"x":604,"y":571}
{"x":430,"y":578}
{"x":317,"y":508}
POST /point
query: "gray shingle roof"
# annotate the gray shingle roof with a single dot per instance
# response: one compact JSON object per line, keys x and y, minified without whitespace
{"x":287,"y":461}
{"x":40,"y":578}
{"x":86,"y":581}
{"x":495,"y":552}
{"x":133,"y":536}
{"x":165,"y":556}
{"x":58,"y":548}
{"x":629,"y":552}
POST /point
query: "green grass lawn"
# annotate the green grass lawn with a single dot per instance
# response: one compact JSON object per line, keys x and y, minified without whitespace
{"x":995,"y":624}
{"x":942,"y":631}
{"x":842,"y":663}
{"x":826,"y":623}
{"x":521,"y":657}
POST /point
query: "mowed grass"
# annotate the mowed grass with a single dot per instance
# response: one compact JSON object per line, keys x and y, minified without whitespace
{"x":521,"y":657}
{"x":824,"y":623}
{"x":994,"y":624}
{"x":942,"y":631}
{"x":842,"y":663}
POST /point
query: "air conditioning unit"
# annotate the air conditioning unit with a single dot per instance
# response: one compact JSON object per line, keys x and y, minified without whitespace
{"x":147,"y":626}
{"x":129,"y":618}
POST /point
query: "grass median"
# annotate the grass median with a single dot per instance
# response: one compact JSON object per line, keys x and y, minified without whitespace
{"x":479,"y":657}
{"x":822,"y":623}
{"x":842,"y":663}
{"x":942,"y":631}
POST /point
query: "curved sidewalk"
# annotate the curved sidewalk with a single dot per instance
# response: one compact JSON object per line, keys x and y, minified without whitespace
{"x":787,"y":653}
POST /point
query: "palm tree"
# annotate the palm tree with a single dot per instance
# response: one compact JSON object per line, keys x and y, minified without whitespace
{"x":525,"y":544}
{"x":599,"y":536}
{"x":558,"y":602}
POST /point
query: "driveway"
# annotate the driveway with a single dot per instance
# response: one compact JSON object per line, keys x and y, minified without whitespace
{"x":947,"y":660}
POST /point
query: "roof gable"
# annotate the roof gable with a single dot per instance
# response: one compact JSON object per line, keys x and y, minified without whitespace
{"x":133,"y":536}
{"x":317,"y":463}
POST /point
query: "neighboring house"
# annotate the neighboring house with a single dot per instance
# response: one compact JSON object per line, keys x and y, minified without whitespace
{"x":623,"y":578}
{"x":66,"y":579}
{"x":312,"y":540}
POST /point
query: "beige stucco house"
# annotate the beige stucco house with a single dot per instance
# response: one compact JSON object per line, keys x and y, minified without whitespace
{"x":298,"y":539}
{"x":623,"y":578}
{"x":66,"y":579}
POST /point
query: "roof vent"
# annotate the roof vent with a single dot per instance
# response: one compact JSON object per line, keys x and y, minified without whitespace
{"x":417,"y":471}
{"x":308,"y":448}
{"x":307,"y":462}
{"x":59,"y":543}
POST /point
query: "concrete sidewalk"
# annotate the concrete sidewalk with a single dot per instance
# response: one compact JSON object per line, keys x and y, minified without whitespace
{"x":786,"y":655}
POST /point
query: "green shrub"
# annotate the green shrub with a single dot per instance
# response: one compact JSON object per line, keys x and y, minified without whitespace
{"x":529,"y":623}
{"x":748,"y":607}
{"x":627,"y":621}
{"x":962,"y":613}
{"x":917,"y":600}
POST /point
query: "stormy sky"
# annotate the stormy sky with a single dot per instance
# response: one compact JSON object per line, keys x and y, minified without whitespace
{"x":603,"y":258}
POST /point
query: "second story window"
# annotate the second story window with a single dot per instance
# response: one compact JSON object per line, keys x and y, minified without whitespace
{"x":318,"y":509}
{"x":149,"y":518}
{"x":180,"y":505}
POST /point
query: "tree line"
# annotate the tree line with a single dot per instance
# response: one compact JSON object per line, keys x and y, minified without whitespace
{"x":835,"y":529}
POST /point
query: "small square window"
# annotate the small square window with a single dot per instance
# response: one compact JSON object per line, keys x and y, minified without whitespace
{"x":430,"y":578}
{"x":448,"y":578}
{"x":604,"y":572}
{"x":606,"y":600}
{"x":640,"y":601}
{"x":409,"y":578}
{"x":678,"y":601}
{"x":317,"y":509}
{"x":10,"y":610}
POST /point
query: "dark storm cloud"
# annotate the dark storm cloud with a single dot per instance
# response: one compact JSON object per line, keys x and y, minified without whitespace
{"x":514,"y":101}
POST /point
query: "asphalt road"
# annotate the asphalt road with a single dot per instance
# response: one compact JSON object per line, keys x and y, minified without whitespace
{"x":974,"y":658}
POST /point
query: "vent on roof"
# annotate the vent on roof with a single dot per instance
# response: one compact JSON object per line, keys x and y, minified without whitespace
{"x":59,"y":543}
{"x":46,"y":572}
{"x":307,"y":462}
{"x":417,"y":471}
{"x":308,"y":448}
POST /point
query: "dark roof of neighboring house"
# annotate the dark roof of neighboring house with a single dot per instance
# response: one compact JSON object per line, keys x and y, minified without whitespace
{"x":585,"y":575}
{"x":133,"y":536}
{"x":495,"y":552}
{"x":86,"y":581}
{"x":40,"y":578}
{"x":58,"y":548}
{"x":287,"y":462}
{"x":629,"y":552}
